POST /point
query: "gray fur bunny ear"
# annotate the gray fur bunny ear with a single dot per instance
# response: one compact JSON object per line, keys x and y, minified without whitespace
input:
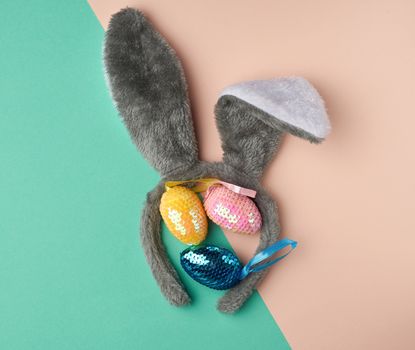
{"x":148,"y":86}
{"x":147,"y":83}
{"x":252,"y":116}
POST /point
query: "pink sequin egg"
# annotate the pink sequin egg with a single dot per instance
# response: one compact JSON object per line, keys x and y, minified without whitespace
{"x":231,"y":210}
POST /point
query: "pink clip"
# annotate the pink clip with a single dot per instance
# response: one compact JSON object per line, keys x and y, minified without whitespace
{"x":238,"y":189}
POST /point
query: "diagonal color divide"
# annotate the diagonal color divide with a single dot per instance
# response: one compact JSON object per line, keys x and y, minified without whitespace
{"x":347,"y":286}
{"x":71,"y":189}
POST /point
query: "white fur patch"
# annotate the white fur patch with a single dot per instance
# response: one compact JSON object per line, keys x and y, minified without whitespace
{"x":292,"y":100}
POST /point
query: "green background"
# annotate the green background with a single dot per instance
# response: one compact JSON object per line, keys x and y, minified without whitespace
{"x":72,"y":274}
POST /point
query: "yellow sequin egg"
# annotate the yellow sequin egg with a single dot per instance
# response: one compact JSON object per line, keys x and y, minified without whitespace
{"x":183,"y":214}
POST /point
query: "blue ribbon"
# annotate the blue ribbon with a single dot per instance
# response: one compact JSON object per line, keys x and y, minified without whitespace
{"x":253,"y":266}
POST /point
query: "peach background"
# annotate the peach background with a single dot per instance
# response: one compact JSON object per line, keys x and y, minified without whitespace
{"x":349,"y":201}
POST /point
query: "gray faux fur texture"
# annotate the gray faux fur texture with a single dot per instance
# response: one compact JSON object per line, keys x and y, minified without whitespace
{"x":147,"y":83}
{"x":146,"y":79}
{"x":290,"y":101}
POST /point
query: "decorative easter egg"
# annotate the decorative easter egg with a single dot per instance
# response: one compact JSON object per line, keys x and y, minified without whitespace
{"x":232,"y":210}
{"x":212,"y":266}
{"x":183,"y":214}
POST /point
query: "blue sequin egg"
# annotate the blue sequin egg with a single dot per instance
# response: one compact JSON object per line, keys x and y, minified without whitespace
{"x":212,"y":266}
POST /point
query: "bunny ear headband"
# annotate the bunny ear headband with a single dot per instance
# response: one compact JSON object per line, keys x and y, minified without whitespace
{"x":148,"y":85}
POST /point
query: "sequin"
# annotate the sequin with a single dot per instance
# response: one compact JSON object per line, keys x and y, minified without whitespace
{"x":183,"y":213}
{"x":212,"y":266}
{"x":231,"y":210}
